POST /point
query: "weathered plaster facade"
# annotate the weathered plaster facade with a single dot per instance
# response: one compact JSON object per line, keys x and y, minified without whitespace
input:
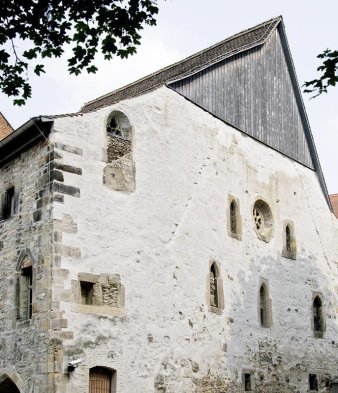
{"x":121,"y":275}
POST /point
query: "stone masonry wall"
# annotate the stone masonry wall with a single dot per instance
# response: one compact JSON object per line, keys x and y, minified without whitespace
{"x":26,"y":354}
{"x":160,"y":240}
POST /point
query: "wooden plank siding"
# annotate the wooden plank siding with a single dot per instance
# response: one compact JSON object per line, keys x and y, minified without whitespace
{"x":253,"y":91}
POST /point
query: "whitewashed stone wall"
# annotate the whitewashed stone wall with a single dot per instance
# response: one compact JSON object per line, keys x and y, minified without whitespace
{"x":160,"y":239}
{"x":156,"y":244}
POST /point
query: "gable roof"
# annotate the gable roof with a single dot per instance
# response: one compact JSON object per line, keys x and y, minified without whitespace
{"x":238,"y":44}
{"x":231,"y":46}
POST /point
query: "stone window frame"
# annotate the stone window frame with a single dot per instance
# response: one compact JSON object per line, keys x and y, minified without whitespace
{"x":264,"y":234}
{"x":97,"y":306}
{"x":268,"y":322}
{"x":292,"y":252}
{"x":252,"y":380}
{"x":13,"y":377}
{"x":238,"y":218}
{"x":318,"y":333}
{"x":219,"y":288}
{"x":119,"y":171}
{"x":23,"y":288}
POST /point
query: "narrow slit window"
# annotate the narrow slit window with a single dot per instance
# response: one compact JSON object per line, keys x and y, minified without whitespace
{"x":317,"y":315}
{"x":213,"y":286}
{"x":288,"y":239}
{"x":233,"y":218}
{"x":27,"y":292}
{"x":263,"y":306}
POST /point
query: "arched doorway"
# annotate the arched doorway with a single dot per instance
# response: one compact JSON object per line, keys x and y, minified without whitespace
{"x":7,"y":386}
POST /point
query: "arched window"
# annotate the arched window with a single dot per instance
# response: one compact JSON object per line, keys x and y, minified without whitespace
{"x":213,"y":286}
{"x":24,"y":288}
{"x":264,"y":306}
{"x":119,"y":172}
{"x":215,"y":289}
{"x":233,"y":218}
{"x":8,"y":386}
{"x":318,"y":321}
{"x":289,"y":241}
{"x":102,"y":380}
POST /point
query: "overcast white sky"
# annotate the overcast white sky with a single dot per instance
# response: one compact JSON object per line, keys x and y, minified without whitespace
{"x":187,"y":26}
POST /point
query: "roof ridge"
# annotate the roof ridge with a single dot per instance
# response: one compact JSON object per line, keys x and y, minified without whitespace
{"x":272,"y":21}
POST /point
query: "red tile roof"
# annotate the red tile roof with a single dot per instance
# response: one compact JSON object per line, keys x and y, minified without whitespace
{"x":5,"y":127}
{"x":334,"y":202}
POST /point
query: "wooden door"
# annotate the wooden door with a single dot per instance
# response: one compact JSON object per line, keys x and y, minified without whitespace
{"x":100,"y":380}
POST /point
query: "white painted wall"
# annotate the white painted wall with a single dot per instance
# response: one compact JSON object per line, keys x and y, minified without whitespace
{"x":160,"y":240}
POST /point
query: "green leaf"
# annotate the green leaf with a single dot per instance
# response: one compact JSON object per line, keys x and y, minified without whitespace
{"x":39,"y":69}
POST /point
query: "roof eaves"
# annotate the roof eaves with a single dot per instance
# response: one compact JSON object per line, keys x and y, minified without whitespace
{"x":305,"y":119}
{"x":26,"y":135}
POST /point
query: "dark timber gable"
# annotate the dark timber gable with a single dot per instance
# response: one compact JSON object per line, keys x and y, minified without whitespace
{"x":248,"y":81}
{"x":253,"y":91}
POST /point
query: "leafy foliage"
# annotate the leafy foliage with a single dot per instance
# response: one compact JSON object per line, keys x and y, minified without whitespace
{"x":89,"y":26}
{"x":329,"y":76}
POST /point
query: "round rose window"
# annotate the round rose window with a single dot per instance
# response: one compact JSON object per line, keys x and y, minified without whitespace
{"x":263,"y":220}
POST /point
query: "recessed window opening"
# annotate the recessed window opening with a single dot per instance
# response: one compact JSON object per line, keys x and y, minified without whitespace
{"x":317,"y":315}
{"x":233,"y":220}
{"x":118,"y":127}
{"x":213,"y":286}
{"x":263,"y":306}
{"x":87,"y":290}
{"x":102,"y":380}
{"x":313,"y":382}
{"x":288,"y":239}
{"x":247,"y":382}
{"x":8,"y":204}
{"x":27,"y":274}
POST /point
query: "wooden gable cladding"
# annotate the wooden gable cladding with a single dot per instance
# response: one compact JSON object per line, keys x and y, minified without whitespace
{"x":255,"y":92}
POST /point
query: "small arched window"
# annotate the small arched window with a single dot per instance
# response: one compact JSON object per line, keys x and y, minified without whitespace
{"x":119,"y":172}
{"x":289,"y":240}
{"x":102,"y":380}
{"x":318,"y":320}
{"x":234,"y":221}
{"x":264,"y":306}
{"x":215,"y":289}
